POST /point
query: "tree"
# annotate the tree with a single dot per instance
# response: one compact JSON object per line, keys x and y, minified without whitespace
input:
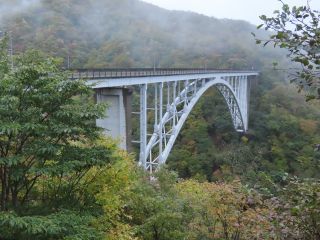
{"x":297,"y":205}
{"x":112,"y":187}
{"x":225,"y":211}
{"x":48,"y":136}
{"x":157,"y":211}
{"x":297,"y":29}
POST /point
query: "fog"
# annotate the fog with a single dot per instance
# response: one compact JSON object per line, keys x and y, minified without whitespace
{"x":248,"y":10}
{"x":8,"y":8}
{"x":126,"y":33}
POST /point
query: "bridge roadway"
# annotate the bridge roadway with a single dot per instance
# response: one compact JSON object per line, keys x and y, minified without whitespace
{"x":115,"y":77}
{"x":167,"y":96}
{"x":105,"y":73}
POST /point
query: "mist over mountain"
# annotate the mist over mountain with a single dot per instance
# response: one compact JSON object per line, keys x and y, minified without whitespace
{"x":9,"y":8}
{"x":131,"y":33}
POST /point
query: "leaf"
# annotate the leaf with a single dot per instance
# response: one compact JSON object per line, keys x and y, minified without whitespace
{"x":260,"y":26}
{"x":280,"y":35}
{"x":266,"y":43}
{"x":286,"y":8}
{"x":263,"y":17}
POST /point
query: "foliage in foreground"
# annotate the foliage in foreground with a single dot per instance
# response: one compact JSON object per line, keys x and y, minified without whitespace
{"x":130,"y":206}
{"x":298,"y":207}
{"x":170,"y":208}
{"x":48,"y":142}
{"x":47,"y":130}
{"x":297,"y":29}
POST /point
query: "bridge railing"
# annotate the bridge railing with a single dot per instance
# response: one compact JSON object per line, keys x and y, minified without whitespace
{"x":141,"y":72}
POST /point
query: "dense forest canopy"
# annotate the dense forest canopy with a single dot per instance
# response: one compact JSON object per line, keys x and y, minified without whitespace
{"x":263,"y":184}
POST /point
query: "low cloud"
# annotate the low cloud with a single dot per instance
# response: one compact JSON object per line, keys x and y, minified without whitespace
{"x":13,"y":7}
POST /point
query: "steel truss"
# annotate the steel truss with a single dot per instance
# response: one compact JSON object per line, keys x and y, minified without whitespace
{"x":173,"y":102}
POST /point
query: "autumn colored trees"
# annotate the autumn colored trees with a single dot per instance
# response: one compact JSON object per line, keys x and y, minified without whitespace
{"x":61,"y":180}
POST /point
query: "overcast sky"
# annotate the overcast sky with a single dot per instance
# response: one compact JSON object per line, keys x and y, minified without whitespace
{"x":248,"y":10}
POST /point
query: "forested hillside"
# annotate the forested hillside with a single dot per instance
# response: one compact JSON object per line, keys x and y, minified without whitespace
{"x":218,"y":184}
{"x":130,"y":33}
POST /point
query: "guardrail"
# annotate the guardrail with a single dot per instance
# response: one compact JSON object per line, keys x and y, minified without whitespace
{"x":143,"y":72}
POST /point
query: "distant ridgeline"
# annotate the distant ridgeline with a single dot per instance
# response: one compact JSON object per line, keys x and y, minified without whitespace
{"x":131,"y":33}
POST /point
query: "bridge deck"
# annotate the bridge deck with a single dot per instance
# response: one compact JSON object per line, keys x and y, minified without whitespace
{"x":144,"y":72}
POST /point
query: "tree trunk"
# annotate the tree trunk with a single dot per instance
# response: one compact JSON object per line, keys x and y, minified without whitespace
{"x":4,"y":183}
{"x":14,"y":193}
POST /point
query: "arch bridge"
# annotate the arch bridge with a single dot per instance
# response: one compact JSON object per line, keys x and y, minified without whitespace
{"x":167,"y":97}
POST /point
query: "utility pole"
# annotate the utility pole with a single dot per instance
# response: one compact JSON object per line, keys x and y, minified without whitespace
{"x":153,"y":48}
{"x":68,"y":60}
{"x":11,"y":49}
{"x":154,"y":62}
{"x":69,"y":54}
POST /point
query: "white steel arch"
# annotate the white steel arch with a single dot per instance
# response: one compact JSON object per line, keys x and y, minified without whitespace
{"x":175,"y":92}
{"x":178,"y":105}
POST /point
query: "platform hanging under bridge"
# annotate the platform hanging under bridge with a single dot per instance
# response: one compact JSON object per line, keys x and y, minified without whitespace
{"x":167,"y":97}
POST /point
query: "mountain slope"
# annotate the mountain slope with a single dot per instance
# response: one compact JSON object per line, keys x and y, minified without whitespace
{"x":131,"y":33}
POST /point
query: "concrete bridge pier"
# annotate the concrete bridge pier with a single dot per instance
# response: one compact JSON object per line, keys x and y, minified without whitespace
{"x":117,"y":123}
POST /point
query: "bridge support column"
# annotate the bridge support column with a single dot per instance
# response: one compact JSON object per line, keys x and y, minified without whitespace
{"x":117,"y":123}
{"x":143,"y":124}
